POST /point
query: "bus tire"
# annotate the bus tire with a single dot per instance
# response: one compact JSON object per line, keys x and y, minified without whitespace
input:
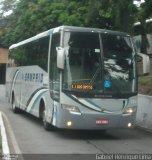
{"x":47,"y":126}
{"x":42,"y":115}
{"x":14,"y":108}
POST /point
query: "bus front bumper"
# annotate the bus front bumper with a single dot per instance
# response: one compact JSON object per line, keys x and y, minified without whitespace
{"x":94,"y":121}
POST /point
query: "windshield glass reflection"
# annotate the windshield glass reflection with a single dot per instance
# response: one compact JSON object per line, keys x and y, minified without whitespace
{"x":82,"y":62}
{"x":119,"y":75}
{"x":85,"y":70}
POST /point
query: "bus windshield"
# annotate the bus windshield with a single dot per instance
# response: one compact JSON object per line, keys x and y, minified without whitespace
{"x":119,"y":64}
{"x":95,"y":70}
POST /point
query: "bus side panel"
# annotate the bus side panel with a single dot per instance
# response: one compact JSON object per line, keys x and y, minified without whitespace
{"x":11,"y":81}
{"x":34,"y":104}
{"x":30,"y":86}
{"x":34,"y":89}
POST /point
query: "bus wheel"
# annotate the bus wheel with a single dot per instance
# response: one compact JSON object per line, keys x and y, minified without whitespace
{"x":15,"y":110}
{"x":46,"y":125}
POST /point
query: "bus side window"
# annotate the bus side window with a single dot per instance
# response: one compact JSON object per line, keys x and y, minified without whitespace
{"x":41,"y":52}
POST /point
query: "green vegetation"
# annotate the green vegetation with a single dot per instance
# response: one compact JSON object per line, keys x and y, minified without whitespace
{"x":31,"y":17}
{"x":145,"y":85}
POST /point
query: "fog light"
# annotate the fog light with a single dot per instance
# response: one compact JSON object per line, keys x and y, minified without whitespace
{"x":69,"y":123}
{"x":129,"y":125}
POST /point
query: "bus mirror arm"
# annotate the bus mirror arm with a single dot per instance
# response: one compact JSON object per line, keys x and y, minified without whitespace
{"x":60,"y":57}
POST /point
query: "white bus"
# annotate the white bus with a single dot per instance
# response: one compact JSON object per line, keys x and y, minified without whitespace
{"x":137,"y":38}
{"x":75,"y":78}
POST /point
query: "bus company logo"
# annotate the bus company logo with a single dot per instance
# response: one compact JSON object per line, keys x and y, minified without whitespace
{"x":33,"y":77}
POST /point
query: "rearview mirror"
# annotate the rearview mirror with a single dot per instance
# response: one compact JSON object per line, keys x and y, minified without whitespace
{"x":60,"y":57}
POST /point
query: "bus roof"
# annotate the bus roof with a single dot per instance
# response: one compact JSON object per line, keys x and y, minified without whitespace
{"x":66,"y":28}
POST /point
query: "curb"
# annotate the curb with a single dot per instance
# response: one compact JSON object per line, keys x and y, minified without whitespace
{"x":10,"y":148}
{"x":143,"y":128}
{"x":144,"y":112}
{"x":5,"y":146}
{"x":12,"y":140}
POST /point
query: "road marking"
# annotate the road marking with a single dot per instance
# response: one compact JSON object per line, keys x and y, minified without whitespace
{"x":5,"y":147}
{"x":12,"y":136}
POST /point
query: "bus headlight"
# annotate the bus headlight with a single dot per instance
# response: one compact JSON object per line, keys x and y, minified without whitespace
{"x":130,"y":110}
{"x":72,"y":109}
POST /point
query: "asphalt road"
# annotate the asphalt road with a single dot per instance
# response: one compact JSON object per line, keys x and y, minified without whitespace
{"x":33,"y":139}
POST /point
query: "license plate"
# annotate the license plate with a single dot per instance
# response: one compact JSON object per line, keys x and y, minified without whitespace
{"x":102,"y":121}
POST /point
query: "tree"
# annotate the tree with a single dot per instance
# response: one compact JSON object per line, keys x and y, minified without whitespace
{"x":109,"y":14}
{"x":40,"y":15}
{"x":30,"y":17}
{"x":7,"y":18}
{"x":144,"y":12}
{"x":7,"y":7}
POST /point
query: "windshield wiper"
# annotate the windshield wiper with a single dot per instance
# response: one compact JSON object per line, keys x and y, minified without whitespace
{"x":95,"y":74}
